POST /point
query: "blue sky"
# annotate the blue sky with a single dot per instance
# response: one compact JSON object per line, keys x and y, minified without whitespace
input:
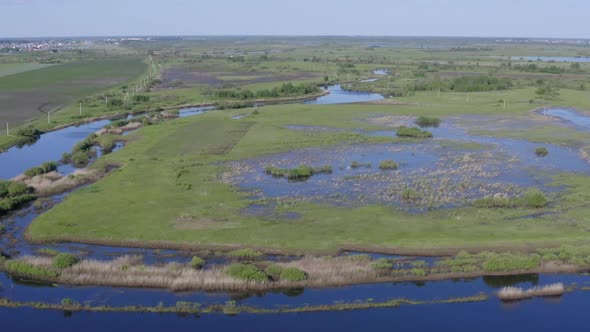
{"x":520,"y":18}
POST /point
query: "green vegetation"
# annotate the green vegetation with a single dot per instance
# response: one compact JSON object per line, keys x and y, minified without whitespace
{"x":427,"y":121}
{"x":27,"y":270}
{"x":64,"y":260}
{"x":388,"y":164}
{"x":197,"y":262}
{"x":412,"y":132}
{"x":245,"y":254}
{"x":46,"y":167}
{"x":479,"y":83}
{"x":533,"y":198}
{"x":541,"y":151}
{"x":13,"y":195}
{"x":246,"y":272}
{"x":300,"y":173}
{"x":285,"y":90}
{"x":292,"y":274}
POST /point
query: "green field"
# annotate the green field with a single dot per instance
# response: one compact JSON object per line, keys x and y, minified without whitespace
{"x":169,"y":191}
{"x":28,"y":94}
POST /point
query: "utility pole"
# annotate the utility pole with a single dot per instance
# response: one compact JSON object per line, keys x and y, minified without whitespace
{"x":80,"y":108}
{"x":438,"y":92}
{"x":504,"y":104}
{"x":48,"y":117}
{"x":7,"y":131}
{"x":467,"y":98}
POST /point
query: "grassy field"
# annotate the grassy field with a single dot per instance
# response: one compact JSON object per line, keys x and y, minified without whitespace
{"x":29,"y":94}
{"x":169,"y":191}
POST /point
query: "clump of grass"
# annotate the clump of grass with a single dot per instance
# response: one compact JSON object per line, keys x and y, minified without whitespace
{"x":533,"y":198}
{"x":246,"y":272}
{"x":356,"y":164}
{"x":409,"y":195}
{"x":48,"y":252}
{"x":293,"y":274}
{"x":541,"y":151}
{"x":413,"y":132}
{"x":388,"y":165}
{"x":274,"y":271}
{"x":46,"y":167}
{"x":300,"y":173}
{"x":27,"y":270}
{"x":246,"y":253}
{"x":197,"y":262}
{"x":381,"y":265}
{"x":13,"y":195}
{"x":426,"y":121}
{"x":64,"y":260}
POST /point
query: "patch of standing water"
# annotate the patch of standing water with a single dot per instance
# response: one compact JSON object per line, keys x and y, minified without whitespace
{"x":571,"y":116}
{"x":338,"y":95}
{"x":49,"y":147}
{"x":380,"y":72}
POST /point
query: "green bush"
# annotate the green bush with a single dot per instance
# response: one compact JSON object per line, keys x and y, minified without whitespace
{"x":46,"y":167}
{"x":197,"y":262}
{"x":80,"y":159}
{"x":534,"y":198}
{"x":245,"y":253}
{"x":293,"y":274}
{"x":18,"y":189}
{"x":413,"y":132}
{"x":274,"y":271}
{"x":409,"y":194}
{"x":246,"y":272}
{"x":425,"y":121}
{"x":64,"y":260}
{"x":541,"y":151}
{"x":388,"y":164}
{"x":418,"y":272}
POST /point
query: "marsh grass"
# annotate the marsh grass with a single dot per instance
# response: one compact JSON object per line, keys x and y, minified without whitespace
{"x":413,"y":132}
{"x":302,"y":172}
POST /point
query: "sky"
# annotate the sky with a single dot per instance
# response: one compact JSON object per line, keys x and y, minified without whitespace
{"x":466,"y":18}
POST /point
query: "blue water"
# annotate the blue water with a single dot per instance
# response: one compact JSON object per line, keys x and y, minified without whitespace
{"x":571,"y":116}
{"x":539,"y":315}
{"x":340,"y":96}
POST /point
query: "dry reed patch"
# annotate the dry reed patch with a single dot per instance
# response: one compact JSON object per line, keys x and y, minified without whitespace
{"x":54,"y":182}
{"x":516,"y":293}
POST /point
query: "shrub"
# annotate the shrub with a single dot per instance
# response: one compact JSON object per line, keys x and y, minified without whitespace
{"x":245,"y":253}
{"x":534,"y":198}
{"x":388,"y":164}
{"x":541,"y":151}
{"x":510,"y":262}
{"x":46,"y":167}
{"x":293,"y":274}
{"x":18,"y":189}
{"x":274,"y":271}
{"x":246,"y":272}
{"x":425,"y":121}
{"x":197,"y":262}
{"x":64,"y":260}
{"x":80,"y":159}
{"x":413,"y":132}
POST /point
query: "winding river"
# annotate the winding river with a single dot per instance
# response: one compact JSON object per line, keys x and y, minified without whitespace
{"x":488,"y":315}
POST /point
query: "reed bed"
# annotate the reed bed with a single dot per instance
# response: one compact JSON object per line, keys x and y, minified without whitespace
{"x":517,"y":293}
{"x":53,"y":183}
{"x":129,"y":271}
